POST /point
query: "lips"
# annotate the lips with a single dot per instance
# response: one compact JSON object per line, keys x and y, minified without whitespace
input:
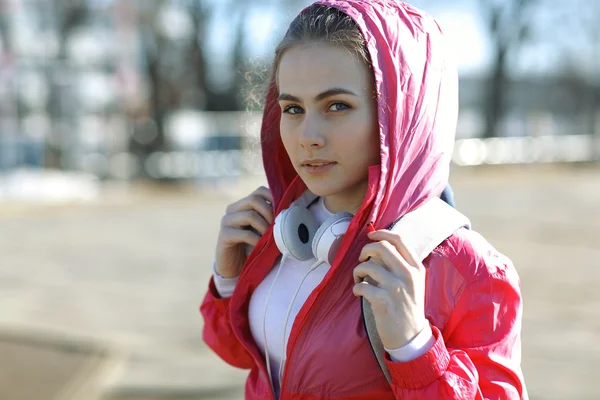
{"x":317,"y":167}
{"x":316,"y":163}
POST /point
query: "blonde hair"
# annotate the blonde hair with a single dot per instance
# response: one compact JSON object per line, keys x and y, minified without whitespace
{"x":316,"y":24}
{"x":323,"y":24}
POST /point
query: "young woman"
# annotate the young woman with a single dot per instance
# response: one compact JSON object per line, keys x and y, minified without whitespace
{"x":358,"y":127}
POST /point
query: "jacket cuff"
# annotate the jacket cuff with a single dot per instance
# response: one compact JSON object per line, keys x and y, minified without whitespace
{"x":222,"y":304}
{"x":424,"y":370}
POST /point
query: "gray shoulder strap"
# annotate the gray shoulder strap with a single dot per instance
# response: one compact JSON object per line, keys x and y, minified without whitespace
{"x":423,"y":230}
{"x":428,"y":226}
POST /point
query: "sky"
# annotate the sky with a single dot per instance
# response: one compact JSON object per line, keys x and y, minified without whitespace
{"x":462,"y":23}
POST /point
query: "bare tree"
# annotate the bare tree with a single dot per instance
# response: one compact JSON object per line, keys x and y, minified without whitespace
{"x":588,"y":21}
{"x":509,"y":24}
{"x":70,"y":15}
{"x":219,"y":100}
{"x":170,"y":91}
{"x":581,"y":21}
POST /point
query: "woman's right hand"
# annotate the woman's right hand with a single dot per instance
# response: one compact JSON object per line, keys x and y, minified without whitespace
{"x":254,"y":211}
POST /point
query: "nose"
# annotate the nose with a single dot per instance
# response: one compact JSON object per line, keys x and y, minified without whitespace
{"x":311,"y":135}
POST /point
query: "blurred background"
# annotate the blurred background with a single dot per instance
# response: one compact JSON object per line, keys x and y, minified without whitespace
{"x":127,"y":126}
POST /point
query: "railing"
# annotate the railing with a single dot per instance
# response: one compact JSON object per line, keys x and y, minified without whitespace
{"x":527,"y":150}
{"x":220,"y":145}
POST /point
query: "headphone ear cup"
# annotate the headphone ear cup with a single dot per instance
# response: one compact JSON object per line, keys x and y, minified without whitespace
{"x":329,"y":236}
{"x":294,"y":231}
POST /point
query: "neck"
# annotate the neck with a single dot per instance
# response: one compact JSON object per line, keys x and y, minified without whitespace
{"x":348,"y":201}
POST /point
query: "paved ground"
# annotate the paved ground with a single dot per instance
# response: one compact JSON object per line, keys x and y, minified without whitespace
{"x":127,"y":273}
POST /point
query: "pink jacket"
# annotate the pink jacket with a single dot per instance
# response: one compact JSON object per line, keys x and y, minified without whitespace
{"x":473,"y":301}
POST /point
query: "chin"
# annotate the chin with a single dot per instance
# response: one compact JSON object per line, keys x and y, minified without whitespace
{"x":323,"y":188}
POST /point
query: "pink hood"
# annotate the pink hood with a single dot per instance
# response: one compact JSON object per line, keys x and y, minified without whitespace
{"x":417,"y":93}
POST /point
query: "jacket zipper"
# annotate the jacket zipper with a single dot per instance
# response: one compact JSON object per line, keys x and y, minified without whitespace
{"x":295,"y":333}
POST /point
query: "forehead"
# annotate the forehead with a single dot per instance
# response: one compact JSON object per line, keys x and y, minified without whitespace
{"x":307,"y":70}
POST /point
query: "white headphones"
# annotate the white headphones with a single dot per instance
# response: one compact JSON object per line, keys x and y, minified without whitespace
{"x":298,"y":234}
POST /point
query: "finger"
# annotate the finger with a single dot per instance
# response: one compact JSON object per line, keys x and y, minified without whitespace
{"x":404,"y":250}
{"x":254,"y":202}
{"x":386,"y":254}
{"x":370,"y":281}
{"x":261,"y":192}
{"x":382,"y":251}
{"x":265,"y":193}
{"x":370,"y":269}
{"x":242,"y":219}
{"x":248,"y":219}
{"x":373,"y":294}
{"x":232,"y":236}
{"x":260,"y":204}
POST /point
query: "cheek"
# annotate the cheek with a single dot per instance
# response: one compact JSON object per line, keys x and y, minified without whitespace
{"x":362,"y":138}
{"x":286,"y":133}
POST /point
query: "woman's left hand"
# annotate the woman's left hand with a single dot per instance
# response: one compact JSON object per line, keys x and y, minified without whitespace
{"x":396,"y":290}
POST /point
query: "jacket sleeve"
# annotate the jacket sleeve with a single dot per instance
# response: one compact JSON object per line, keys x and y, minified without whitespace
{"x":479,"y":354}
{"x":217,"y":332}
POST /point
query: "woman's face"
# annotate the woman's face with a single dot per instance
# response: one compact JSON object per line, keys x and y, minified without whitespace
{"x":329,"y":122}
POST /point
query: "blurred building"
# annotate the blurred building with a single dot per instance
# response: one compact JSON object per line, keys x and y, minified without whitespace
{"x":120,"y":89}
{"x":69,"y":71}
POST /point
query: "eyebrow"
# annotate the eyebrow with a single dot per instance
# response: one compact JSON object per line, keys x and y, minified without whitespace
{"x":319,"y":97}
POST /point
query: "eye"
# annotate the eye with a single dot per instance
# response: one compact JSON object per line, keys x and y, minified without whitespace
{"x":292,"y":109}
{"x":339,"y":106}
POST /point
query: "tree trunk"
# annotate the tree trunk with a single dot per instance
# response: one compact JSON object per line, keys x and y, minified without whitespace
{"x":595,"y":125}
{"x":496,"y":94}
{"x":69,"y":15}
{"x":158,"y":109}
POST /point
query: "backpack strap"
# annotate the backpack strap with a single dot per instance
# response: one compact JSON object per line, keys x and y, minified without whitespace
{"x":422,"y":230}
